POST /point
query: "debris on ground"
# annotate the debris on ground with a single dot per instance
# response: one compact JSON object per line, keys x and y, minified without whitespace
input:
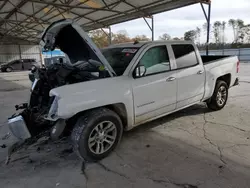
{"x":5,"y":137}
{"x":38,"y":149}
{"x":20,"y":158}
{"x":67,"y":151}
{"x":83,"y":167}
{"x":220,"y":167}
{"x":57,"y":184}
{"x":3,"y":146}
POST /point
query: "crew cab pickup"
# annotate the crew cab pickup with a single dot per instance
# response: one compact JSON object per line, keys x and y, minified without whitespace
{"x":134,"y":83}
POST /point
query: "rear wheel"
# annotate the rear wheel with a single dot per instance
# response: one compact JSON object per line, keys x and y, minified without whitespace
{"x":96,"y":134}
{"x":220,"y":96}
{"x":9,"y":69}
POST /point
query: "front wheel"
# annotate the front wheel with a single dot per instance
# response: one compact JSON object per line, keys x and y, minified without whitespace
{"x":96,"y":134}
{"x":220,"y":96}
{"x":9,"y":69}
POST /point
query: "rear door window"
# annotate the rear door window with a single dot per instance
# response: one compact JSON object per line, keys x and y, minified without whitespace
{"x":16,"y":62}
{"x":185,"y":55}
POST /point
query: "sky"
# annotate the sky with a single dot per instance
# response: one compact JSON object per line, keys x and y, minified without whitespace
{"x":176,"y":22}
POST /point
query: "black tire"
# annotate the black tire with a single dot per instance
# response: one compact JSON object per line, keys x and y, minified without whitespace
{"x":9,"y":69}
{"x":85,"y":126}
{"x":213,"y":103}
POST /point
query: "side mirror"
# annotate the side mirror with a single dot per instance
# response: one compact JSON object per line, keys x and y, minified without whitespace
{"x":140,"y":71}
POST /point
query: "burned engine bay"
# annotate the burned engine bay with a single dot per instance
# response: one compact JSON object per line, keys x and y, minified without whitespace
{"x":51,"y":77}
{"x":82,"y":65}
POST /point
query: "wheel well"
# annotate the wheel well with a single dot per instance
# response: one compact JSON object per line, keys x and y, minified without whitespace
{"x":226,"y":78}
{"x":118,"y":108}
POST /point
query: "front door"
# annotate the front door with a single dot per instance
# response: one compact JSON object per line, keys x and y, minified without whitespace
{"x":17,"y":65}
{"x":155,"y":91}
{"x":190,"y":75}
{"x":27,"y":64}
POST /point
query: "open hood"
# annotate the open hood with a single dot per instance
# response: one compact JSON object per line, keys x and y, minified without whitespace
{"x":70,"y":38}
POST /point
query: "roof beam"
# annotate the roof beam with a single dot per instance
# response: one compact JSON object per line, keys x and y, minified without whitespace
{"x":112,"y":4}
{"x":132,"y":14}
{"x":23,"y":2}
{"x":79,"y":16}
{"x":69,"y":1}
{"x":3,"y":4}
{"x":139,"y":9}
{"x":73,"y":6}
{"x":34,"y":13}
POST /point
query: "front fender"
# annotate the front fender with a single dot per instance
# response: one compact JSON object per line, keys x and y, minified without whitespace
{"x":76,"y":98}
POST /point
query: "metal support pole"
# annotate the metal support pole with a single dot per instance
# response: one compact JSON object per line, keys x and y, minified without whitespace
{"x":41,"y":56}
{"x":20,"y":52}
{"x":152,"y":25}
{"x":152,"y":29}
{"x":110,"y":36}
{"x":208,"y":27}
{"x":20,"y":56}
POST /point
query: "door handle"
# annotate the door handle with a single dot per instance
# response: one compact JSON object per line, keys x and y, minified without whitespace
{"x":170,"y":79}
{"x":200,"y":72}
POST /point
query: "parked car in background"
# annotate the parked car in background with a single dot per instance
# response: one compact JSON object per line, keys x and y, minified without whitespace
{"x":20,"y":64}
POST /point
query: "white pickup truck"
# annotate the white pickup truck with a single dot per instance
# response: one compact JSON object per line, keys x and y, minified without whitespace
{"x":126,"y":85}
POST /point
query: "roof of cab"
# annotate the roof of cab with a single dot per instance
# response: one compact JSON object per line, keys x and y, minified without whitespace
{"x":142,"y":43}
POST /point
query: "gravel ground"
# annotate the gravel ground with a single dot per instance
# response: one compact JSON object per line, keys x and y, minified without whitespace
{"x":193,"y":148}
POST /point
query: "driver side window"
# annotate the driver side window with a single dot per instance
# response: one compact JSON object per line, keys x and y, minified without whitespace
{"x":155,"y":60}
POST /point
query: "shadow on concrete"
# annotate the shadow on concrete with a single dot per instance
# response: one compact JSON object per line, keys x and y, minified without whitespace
{"x":144,"y":159}
{"x":197,"y":109}
{"x":13,"y":84}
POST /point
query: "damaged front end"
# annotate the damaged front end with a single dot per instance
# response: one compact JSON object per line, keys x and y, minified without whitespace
{"x":31,"y":119}
{"x":83,"y":62}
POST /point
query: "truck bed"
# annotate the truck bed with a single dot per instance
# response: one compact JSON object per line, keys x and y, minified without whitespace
{"x":212,"y":58}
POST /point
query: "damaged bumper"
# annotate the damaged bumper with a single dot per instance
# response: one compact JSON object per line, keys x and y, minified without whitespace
{"x":19,"y":128}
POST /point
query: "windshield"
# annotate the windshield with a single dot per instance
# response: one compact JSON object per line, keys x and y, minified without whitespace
{"x":119,"y":58}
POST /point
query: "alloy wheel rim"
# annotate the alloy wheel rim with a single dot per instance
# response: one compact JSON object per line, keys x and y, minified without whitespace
{"x":221,"y":96}
{"x":102,"y":137}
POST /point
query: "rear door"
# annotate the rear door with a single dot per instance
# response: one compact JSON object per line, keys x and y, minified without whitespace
{"x":155,"y":92}
{"x":27,"y":64}
{"x":190,"y":75}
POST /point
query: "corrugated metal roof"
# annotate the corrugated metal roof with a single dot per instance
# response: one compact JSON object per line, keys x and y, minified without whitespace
{"x":26,"y":19}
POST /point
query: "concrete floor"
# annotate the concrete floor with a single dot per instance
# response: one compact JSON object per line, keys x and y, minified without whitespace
{"x":189,"y":149}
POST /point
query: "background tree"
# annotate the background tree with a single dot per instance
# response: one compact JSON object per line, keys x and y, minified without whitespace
{"x":198,"y":35}
{"x":190,"y":35}
{"x":217,"y":27}
{"x":121,"y":37}
{"x":99,"y":38}
{"x":223,"y":31}
{"x":165,"y":36}
{"x":176,"y":38}
{"x":237,"y":27}
{"x":247,"y":34}
{"x":239,"y":31}
{"x":141,"y":38}
{"x":232,"y":23}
